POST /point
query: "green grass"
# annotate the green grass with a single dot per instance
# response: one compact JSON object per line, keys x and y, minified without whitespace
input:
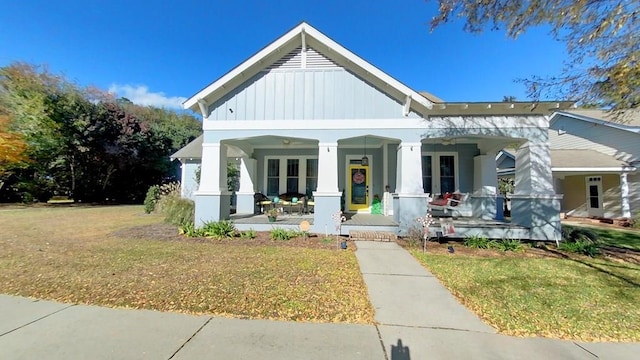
{"x":627,"y":239}
{"x":89,"y":255}
{"x":583,"y":299}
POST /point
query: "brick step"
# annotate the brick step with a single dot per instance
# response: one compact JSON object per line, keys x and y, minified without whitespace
{"x":372,"y":235}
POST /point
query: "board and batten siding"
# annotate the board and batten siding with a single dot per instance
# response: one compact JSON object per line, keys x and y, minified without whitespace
{"x":579,"y":134}
{"x":321,"y":89}
{"x":306,"y":94}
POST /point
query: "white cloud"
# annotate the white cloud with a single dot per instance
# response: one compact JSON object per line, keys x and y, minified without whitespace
{"x":139,"y":94}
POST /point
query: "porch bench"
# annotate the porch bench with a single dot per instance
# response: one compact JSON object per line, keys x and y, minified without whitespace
{"x":457,"y":204}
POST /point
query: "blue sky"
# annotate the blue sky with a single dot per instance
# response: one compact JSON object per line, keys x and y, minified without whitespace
{"x":160,"y":52}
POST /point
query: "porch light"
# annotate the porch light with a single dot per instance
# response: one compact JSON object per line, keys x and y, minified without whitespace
{"x":365,"y":159}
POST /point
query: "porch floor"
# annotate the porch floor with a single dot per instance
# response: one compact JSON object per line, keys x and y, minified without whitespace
{"x":464,"y":226}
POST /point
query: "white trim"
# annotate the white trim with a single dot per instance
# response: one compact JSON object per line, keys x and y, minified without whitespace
{"x":347,"y":178}
{"x":385,"y":163}
{"x":597,"y":181}
{"x":293,"y":35}
{"x":435,"y":168}
{"x":444,"y":122}
{"x":282,"y":184}
{"x":592,"y":169}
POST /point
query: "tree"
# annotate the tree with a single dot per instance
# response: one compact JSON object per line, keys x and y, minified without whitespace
{"x":601,"y":37}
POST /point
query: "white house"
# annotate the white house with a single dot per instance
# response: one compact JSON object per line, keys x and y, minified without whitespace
{"x":306,"y":115}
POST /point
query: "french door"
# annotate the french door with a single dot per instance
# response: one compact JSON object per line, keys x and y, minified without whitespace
{"x":439,"y":172}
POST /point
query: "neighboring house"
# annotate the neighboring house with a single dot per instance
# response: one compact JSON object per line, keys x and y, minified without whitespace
{"x":594,"y":161}
{"x":306,"y":115}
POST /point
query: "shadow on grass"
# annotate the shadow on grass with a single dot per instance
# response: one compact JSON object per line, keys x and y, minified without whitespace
{"x":631,"y":282}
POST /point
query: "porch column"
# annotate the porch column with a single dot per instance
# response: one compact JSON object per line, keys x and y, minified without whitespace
{"x":212,"y":197}
{"x":410,"y":200}
{"x":327,"y":195}
{"x":534,"y":203}
{"x":245,"y":201}
{"x":624,"y":192}
{"x":485,"y":187}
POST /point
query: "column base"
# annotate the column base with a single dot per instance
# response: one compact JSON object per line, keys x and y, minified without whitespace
{"x":484,"y":206}
{"x":212,"y":206}
{"x":407,"y":209}
{"x":540,"y":213}
{"x":326,"y":205}
{"x":245,"y":203}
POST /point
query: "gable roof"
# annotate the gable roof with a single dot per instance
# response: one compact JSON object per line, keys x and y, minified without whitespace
{"x":583,"y":158}
{"x":192,"y":150}
{"x":631,"y":119}
{"x":304,"y":34}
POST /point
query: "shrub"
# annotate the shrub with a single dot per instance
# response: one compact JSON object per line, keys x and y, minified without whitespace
{"x":414,"y":237}
{"x":248,"y":234}
{"x":153,"y":195}
{"x":478,"y":242}
{"x":509,"y":245}
{"x":219,"y":229}
{"x":189,"y":230}
{"x":580,"y":247}
{"x":283,"y":234}
{"x":176,"y":210}
{"x":580,"y":241}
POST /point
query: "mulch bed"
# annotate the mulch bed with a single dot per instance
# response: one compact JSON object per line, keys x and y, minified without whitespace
{"x":166,"y":232}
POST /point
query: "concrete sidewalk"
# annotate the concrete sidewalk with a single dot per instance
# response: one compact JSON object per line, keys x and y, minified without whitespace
{"x":417,"y":319}
{"x":31,"y":329}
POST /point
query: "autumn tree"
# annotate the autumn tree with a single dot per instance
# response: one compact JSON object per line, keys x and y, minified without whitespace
{"x":601,"y":37}
{"x":84,"y":143}
{"x":12,"y":150}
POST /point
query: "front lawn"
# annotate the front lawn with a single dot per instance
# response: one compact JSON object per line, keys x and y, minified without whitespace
{"x":531,"y":294}
{"x":620,"y":238}
{"x":118,"y":256}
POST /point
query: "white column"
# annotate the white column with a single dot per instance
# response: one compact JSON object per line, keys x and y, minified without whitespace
{"x":533,"y":169}
{"x":624,"y":192}
{"x":327,"y":168}
{"x":213,"y":173}
{"x":247,"y":175}
{"x":485,"y":176}
{"x":409,"y":174}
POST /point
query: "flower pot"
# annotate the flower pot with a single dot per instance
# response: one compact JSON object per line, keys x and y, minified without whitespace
{"x":271,"y":218}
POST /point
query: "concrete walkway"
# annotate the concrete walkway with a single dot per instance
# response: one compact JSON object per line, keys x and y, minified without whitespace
{"x":417,"y":319}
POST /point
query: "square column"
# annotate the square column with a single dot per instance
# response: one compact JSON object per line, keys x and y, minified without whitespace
{"x":534,"y":203}
{"x":410,"y":201}
{"x":212,"y":198}
{"x":624,"y":194}
{"x":327,"y":195}
{"x":485,"y":187}
{"x":245,"y":195}
{"x":328,"y":167}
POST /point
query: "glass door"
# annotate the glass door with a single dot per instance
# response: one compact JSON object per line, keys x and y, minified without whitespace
{"x":594,"y":196}
{"x":358,"y":198}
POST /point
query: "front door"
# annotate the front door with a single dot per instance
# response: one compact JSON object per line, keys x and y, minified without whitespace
{"x":594,"y":196}
{"x":358,"y":196}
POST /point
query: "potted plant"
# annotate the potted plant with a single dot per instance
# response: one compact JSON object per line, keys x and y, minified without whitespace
{"x":272,"y":214}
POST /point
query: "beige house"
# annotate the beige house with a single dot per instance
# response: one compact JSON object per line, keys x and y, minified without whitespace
{"x":594,"y":162}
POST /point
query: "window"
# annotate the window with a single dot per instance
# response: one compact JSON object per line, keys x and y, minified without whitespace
{"x":293,"y":167}
{"x":439,"y":173}
{"x":298,"y":174}
{"x":273,"y":177}
{"x":312,"y":177}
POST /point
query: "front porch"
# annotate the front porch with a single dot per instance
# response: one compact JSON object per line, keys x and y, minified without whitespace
{"x":464,"y":227}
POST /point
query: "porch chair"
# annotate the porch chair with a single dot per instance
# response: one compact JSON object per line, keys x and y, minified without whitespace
{"x":449,"y":202}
